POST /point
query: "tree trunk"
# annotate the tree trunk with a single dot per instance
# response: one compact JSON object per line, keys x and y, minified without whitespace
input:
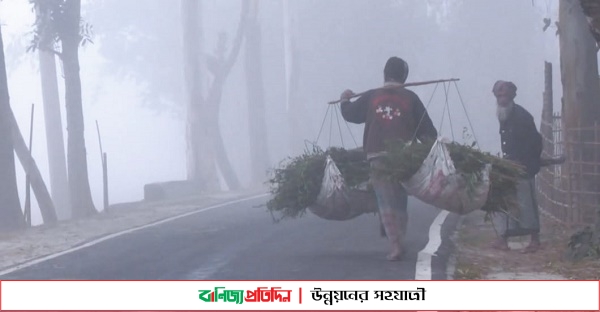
{"x":59,"y":183}
{"x":81,"y":196}
{"x":294,"y":105}
{"x":224,"y":163}
{"x":579,"y":66}
{"x":213,"y":127}
{"x":581,"y":95}
{"x":259,"y":151}
{"x":297,"y":109}
{"x":221,"y":67}
{"x":201,"y":166}
{"x":214,"y":99}
{"x":11,"y":216}
{"x":206,"y":149}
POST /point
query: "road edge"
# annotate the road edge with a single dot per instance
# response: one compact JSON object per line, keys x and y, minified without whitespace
{"x":98,"y":239}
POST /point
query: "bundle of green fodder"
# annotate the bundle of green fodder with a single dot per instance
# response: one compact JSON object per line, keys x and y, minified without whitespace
{"x":296,"y":184}
{"x":403,"y":160}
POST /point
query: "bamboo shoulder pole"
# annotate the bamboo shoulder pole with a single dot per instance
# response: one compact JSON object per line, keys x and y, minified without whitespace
{"x":410,"y":84}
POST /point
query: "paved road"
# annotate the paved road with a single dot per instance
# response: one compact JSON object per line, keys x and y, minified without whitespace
{"x":241,"y":242}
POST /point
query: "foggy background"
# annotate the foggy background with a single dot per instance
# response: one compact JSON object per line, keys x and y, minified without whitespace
{"x":132,"y":75}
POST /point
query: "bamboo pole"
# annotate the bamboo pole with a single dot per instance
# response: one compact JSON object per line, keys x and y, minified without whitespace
{"x":410,"y":84}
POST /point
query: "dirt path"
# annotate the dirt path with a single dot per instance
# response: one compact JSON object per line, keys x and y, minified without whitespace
{"x":476,"y":260}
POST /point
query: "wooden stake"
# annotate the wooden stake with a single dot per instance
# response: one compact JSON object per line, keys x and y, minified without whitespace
{"x":104,"y":170}
{"x":105,"y":181}
{"x":99,"y":139}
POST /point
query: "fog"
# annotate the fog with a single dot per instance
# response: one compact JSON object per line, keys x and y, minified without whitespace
{"x":132,"y":75}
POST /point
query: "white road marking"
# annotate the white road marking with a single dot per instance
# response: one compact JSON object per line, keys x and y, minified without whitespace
{"x":117,"y":234}
{"x":423,"y":266}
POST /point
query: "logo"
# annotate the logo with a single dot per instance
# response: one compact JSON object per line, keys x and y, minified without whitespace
{"x":261,"y":294}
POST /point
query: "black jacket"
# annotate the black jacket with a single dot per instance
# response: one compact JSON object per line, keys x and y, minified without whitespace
{"x":389,"y":114}
{"x":521,"y":141}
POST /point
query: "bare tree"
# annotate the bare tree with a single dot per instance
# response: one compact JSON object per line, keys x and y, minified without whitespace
{"x":11,"y":216}
{"x":259,"y":151}
{"x":63,"y":29}
{"x":206,"y":149}
{"x":201,"y":157}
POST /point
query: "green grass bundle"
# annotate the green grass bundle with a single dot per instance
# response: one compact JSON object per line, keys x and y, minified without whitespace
{"x":296,"y":184}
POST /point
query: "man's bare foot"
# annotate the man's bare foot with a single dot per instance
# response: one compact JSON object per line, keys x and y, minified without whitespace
{"x":500,"y":244}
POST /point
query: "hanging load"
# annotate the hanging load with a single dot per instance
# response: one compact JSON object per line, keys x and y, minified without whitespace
{"x":339,"y":202}
{"x":450,"y":176}
{"x":438,"y":183}
{"x":331,"y":184}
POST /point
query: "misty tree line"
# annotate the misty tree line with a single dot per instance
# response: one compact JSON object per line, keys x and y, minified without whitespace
{"x":296,"y":56}
{"x":59,"y":31}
